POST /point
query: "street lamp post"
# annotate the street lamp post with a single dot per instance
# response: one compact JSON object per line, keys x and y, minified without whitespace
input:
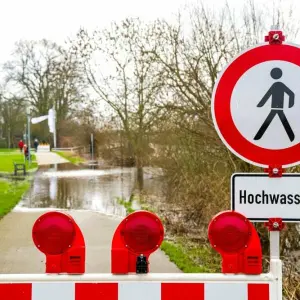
{"x":24,"y":132}
{"x":92,"y":146}
{"x":54,"y":125}
{"x":28,"y":134}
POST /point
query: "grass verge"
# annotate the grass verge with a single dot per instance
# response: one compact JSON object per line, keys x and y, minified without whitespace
{"x":189,"y":257}
{"x":126,"y":204}
{"x":11,"y":193}
{"x":8,"y":157}
{"x":71,"y":157}
{"x":9,"y":150}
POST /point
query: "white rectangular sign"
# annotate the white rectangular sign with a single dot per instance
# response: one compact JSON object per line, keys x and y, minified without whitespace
{"x":259,"y":197}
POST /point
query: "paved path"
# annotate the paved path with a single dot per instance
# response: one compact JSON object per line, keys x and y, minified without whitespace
{"x":49,"y":158}
{"x":19,"y":255}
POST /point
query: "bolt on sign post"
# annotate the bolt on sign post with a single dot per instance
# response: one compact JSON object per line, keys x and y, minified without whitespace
{"x":58,"y":236}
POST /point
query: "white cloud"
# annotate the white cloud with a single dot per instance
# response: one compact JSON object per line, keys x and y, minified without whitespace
{"x":57,"y":19}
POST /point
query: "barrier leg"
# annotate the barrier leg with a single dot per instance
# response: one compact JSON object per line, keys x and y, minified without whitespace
{"x":276,"y":263}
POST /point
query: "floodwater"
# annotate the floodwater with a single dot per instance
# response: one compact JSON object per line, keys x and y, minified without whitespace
{"x":65,"y":186}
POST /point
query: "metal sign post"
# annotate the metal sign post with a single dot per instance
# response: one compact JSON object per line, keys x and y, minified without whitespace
{"x":54,"y":124}
{"x":275,"y":225}
{"x":28,"y":134}
{"x":92,"y":146}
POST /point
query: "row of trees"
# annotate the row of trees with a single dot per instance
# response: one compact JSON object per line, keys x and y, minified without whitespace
{"x":40,"y":75}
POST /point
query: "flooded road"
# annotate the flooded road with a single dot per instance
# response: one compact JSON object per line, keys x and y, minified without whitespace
{"x":84,"y":193}
{"x":65,"y":186}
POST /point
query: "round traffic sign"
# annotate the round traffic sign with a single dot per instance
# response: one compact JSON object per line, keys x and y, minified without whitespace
{"x":256,"y":105}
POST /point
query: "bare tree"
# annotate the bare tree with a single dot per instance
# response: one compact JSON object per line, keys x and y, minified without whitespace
{"x":131,"y":84}
{"x":45,"y":75}
{"x":13,"y":118}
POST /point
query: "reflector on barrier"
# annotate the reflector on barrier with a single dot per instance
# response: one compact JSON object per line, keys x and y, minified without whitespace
{"x":138,"y":235}
{"x":235,"y":238}
{"x":57,"y":235}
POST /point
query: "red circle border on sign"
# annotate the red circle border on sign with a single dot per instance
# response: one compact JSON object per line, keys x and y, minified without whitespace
{"x":221,"y":108}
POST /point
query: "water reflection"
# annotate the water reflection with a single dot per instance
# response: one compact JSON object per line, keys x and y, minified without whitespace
{"x":69,"y":187}
{"x":53,"y":185}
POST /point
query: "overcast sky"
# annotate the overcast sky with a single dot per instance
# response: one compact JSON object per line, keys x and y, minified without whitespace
{"x":57,"y":19}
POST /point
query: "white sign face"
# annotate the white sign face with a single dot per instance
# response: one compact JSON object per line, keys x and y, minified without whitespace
{"x":259,"y":197}
{"x":265,"y":105}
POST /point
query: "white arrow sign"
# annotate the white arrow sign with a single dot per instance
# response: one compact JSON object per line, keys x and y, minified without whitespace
{"x":39,"y":119}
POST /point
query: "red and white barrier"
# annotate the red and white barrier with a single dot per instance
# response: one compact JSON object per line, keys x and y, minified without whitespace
{"x":58,"y":236}
{"x":137,"y":287}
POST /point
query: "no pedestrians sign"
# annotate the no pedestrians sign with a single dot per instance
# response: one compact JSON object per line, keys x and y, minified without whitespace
{"x":256,"y":105}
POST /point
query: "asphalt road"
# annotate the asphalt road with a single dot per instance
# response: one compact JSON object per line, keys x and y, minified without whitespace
{"x":19,"y":254}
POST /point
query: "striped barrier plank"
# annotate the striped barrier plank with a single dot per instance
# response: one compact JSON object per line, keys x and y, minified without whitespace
{"x":134,"y":291}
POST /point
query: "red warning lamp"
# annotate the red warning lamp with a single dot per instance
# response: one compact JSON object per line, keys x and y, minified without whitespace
{"x":235,"y":238}
{"x":58,"y":236}
{"x":142,"y":232}
{"x":53,"y":233}
{"x":230,"y":232}
{"x":138,"y":235}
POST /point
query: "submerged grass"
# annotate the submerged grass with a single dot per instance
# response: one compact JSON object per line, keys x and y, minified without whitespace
{"x":71,"y":157}
{"x":126,"y":204}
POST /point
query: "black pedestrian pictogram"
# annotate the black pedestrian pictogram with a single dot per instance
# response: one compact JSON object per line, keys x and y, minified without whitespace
{"x":276,"y":91}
